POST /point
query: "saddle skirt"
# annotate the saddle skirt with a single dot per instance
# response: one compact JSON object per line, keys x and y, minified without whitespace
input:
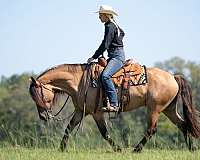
{"x":131,"y":74}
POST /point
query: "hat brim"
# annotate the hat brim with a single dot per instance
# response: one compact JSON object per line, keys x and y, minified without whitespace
{"x":107,"y":12}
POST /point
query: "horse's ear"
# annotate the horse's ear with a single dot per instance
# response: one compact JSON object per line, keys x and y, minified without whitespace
{"x":31,"y":79}
{"x":35,"y":82}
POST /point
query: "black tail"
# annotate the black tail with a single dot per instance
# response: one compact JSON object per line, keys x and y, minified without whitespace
{"x":191,"y":115}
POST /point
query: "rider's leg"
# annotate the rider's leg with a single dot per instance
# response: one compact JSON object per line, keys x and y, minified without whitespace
{"x":112,"y":67}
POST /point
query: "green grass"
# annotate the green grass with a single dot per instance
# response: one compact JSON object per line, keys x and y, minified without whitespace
{"x":19,"y":153}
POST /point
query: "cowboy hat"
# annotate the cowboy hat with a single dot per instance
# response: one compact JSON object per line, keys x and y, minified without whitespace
{"x":106,"y":9}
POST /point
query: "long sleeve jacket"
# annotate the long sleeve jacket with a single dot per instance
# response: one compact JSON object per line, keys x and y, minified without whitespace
{"x":112,"y":39}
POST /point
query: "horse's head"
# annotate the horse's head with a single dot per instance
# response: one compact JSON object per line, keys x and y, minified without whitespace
{"x":44,"y":96}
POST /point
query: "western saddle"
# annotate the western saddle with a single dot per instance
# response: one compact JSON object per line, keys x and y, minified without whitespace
{"x":131,"y":74}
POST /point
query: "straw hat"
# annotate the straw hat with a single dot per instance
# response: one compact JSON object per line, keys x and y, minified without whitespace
{"x":106,"y":9}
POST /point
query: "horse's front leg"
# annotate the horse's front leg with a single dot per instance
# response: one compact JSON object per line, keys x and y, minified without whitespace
{"x":100,"y":121}
{"x":123,"y":129}
{"x":72,"y":124}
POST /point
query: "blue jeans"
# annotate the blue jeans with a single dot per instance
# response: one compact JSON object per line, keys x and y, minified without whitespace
{"x":114,"y":64}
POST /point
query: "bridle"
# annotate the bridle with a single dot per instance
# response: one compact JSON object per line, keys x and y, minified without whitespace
{"x":49,"y":110}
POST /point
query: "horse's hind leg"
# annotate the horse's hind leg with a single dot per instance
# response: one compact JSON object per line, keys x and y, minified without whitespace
{"x":100,"y":121}
{"x":72,"y":124}
{"x":151,"y":130}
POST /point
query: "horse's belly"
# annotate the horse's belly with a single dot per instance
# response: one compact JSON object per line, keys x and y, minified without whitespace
{"x":137,"y":97}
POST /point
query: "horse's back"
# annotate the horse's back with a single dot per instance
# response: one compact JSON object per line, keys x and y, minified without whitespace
{"x":160,"y":78}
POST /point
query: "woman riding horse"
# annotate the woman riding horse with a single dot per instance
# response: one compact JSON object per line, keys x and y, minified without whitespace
{"x":161,"y":94}
{"x":112,"y":42}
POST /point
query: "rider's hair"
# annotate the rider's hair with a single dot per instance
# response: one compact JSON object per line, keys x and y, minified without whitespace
{"x":111,"y":18}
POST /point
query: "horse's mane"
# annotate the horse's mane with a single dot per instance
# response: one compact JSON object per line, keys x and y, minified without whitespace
{"x":74,"y":68}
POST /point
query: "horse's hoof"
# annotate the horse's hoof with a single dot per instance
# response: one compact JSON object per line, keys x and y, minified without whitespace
{"x":117,"y":149}
{"x":63,"y":146}
{"x":63,"y":149}
{"x":193,"y":148}
{"x":137,"y":149}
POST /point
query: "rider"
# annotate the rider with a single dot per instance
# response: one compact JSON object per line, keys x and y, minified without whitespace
{"x":112,"y":42}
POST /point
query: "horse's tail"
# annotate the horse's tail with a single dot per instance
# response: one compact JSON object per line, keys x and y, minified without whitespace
{"x":191,"y":115}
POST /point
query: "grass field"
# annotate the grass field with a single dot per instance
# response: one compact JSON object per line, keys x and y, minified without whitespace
{"x":19,"y":153}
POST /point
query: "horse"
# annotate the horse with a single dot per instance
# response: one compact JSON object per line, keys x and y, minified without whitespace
{"x":161,"y":94}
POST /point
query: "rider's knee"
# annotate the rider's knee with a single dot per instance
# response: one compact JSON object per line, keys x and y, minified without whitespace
{"x":105,"y":76}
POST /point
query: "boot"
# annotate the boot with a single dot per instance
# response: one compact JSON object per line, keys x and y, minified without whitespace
{"x":110,"y":108}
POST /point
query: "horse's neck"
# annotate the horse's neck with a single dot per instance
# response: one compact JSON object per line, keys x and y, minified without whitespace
{"x":66,"y":77}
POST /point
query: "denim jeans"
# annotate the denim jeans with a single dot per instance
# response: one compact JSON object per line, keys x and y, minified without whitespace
{"x":115,"y":62}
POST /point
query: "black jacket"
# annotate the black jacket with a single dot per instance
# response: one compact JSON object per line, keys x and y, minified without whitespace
{"x":111,"y":39}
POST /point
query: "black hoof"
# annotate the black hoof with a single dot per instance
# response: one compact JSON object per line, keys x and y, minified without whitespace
{"x":117,"y":149}
{"x":63,"y":146}
{"x":137,"y":149}
{"x":193,"y":148}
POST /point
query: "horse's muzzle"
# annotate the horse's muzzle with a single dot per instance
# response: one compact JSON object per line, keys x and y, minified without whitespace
{"x":42,"y":113}
{"x":43,"y":116}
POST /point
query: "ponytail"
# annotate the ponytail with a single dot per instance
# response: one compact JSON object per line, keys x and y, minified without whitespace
{"x":111,"y":18}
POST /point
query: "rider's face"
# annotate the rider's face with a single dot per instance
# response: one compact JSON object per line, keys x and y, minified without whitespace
{"x":103,"y":17}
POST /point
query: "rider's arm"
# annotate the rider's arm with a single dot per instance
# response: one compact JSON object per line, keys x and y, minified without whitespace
{"x":108,"y":37}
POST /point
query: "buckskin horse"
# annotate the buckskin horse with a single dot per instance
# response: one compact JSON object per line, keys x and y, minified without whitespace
{"x":161,"y":94}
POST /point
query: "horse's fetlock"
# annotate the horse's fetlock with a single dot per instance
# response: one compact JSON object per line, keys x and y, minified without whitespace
{"x":138,"y":148}
{"x":65,"y":137}
{"x":154,"y":130}
{"x":151,"y":132}
{"x":107,"y":137}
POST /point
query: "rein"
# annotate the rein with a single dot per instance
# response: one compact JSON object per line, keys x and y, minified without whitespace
{"x":85,"y":81}
{"x":62,"y":107}
{"x":50,"y":116}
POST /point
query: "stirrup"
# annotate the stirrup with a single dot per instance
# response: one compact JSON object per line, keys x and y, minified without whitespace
{"x":110,"y":109}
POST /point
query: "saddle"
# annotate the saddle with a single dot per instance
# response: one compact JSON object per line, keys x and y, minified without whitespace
{"x":131,"y":74}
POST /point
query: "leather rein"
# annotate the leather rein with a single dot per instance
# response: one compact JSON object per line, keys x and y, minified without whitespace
{"x":49,"y":111}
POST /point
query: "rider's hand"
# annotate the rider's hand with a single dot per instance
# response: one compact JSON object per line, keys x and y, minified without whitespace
{"x":90,"y":60}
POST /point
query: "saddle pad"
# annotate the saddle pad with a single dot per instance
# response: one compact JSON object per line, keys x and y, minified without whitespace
{"x":139,"y":79}
{"x":134,"y":74}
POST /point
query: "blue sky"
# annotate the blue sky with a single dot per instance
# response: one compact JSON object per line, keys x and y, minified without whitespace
{"x":38,"y":34}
